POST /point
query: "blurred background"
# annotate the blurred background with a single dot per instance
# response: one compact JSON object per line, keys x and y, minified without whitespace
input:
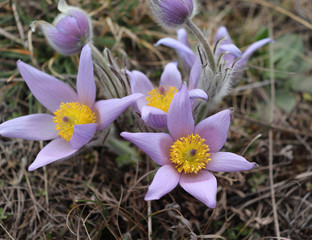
{"x":99,"y":194}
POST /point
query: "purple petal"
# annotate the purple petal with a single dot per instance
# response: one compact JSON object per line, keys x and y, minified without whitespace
{"x":83,"y":21}
{"x":180,"y":117}
{"x":202,"y":186}
{"x":186,"y":53}
{"x":222,"y":33}
{"x":165,"y":180}
{"x":61,"y":42}
{"x":230,"y":49}
{"x":108,"y":110}
{"x":173,"y":12}
{"x":56,"y":150}
{"x":155,"y":145}
{"x":182,"y":37}
{"x":85,"y":78}
{"x":82,"y":134}
{"x":198,"y":93}
{"x":171,"y":76}
{"x":215,"y":129}
{"x":195,"y":74}
{"x":250,"y":50}
{"x":47,"y":89}
{"x":68,"y":25}
{"x":187,"y":58}
{"x":30,"y":127}
{"x":140,"y":84}
{"x":154,"y":117}
{"x":228,"y":162}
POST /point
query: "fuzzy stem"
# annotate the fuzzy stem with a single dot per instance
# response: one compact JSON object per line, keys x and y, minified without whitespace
{"x":200,"y":36}
{"x":96,"y":53}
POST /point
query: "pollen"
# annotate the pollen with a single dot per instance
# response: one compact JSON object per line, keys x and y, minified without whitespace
{"x":71,"y":114}
{"x":161,"y":97}
{"x":190,"y":154}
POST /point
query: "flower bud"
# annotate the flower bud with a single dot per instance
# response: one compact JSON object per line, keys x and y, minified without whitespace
{"x":71,"y":29}
{"x":172,"y":14}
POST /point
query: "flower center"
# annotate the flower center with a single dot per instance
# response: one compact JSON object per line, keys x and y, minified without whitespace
{"x":190,"y":154}
{"x":161,"y":97}
{"x":71,"y":114}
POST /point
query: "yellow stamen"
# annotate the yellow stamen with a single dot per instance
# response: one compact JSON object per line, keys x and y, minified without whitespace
{"x":161,"y":97}
{"x":190,"y":154}
{"x":70,"y":114}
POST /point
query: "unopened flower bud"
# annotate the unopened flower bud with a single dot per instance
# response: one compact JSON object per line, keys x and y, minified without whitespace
{"x":172,"y":14}
{"x":71,"y":29}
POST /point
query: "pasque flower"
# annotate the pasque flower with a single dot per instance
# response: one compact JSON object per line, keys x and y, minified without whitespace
{"x":189,"y":153}
{"x":224,"y":46}
{"x":232,"y":52}
{"x":154,"y":107}
{"x":76,"y":116}
{"x":70,"y":31}
{"x":172,"y":13}
{"x":229,"y":59}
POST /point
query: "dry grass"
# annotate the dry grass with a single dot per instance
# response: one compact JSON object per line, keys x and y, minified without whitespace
{"x":91,"y":196}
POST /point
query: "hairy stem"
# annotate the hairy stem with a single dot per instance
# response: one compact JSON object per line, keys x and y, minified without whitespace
{"x":201,"y":38}
{"x":100,"y":58}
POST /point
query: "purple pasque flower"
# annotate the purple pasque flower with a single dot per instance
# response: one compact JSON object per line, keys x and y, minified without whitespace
{"x":189,"y":153}
{"x":224,"y":45}
{"x":229,"y":59}
{"x":76,"y":116}
{"x":172,"y":13}
{"x":155,"y":104}
{"x":232,"y":52}
{"x":70,"y":31}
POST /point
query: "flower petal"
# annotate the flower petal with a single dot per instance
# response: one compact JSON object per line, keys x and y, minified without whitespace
{"x":202,"y":186}
{"x":230,"y":49}
{"x":198,"y":93}
{"x":215,"y":129}
{"x":222,"y":33}
{"x":182,"y":37}
{"x":55,"y":150}
{"x":85,"y":78}
{"x":250,"y":50}
{"x":165,"y":180}
{"x":154,"y":117}
{"x":47,"y":89}
{"x":180,"y":117}
{"x":172,"y":13}
{"x":67,"y":25}
{"x":185,"y":52}
{"x":83,"y":22}
{"x":228,"y":162}
{"x":195,"y":74}
{"x":82,"y":134}
{"x":108,"y":110}
{"x":171,"y":76}
{"x":31,"y":127}
{"x":61,"y":42}
{"x":155,"y":145}
{"x":140,"y":84}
